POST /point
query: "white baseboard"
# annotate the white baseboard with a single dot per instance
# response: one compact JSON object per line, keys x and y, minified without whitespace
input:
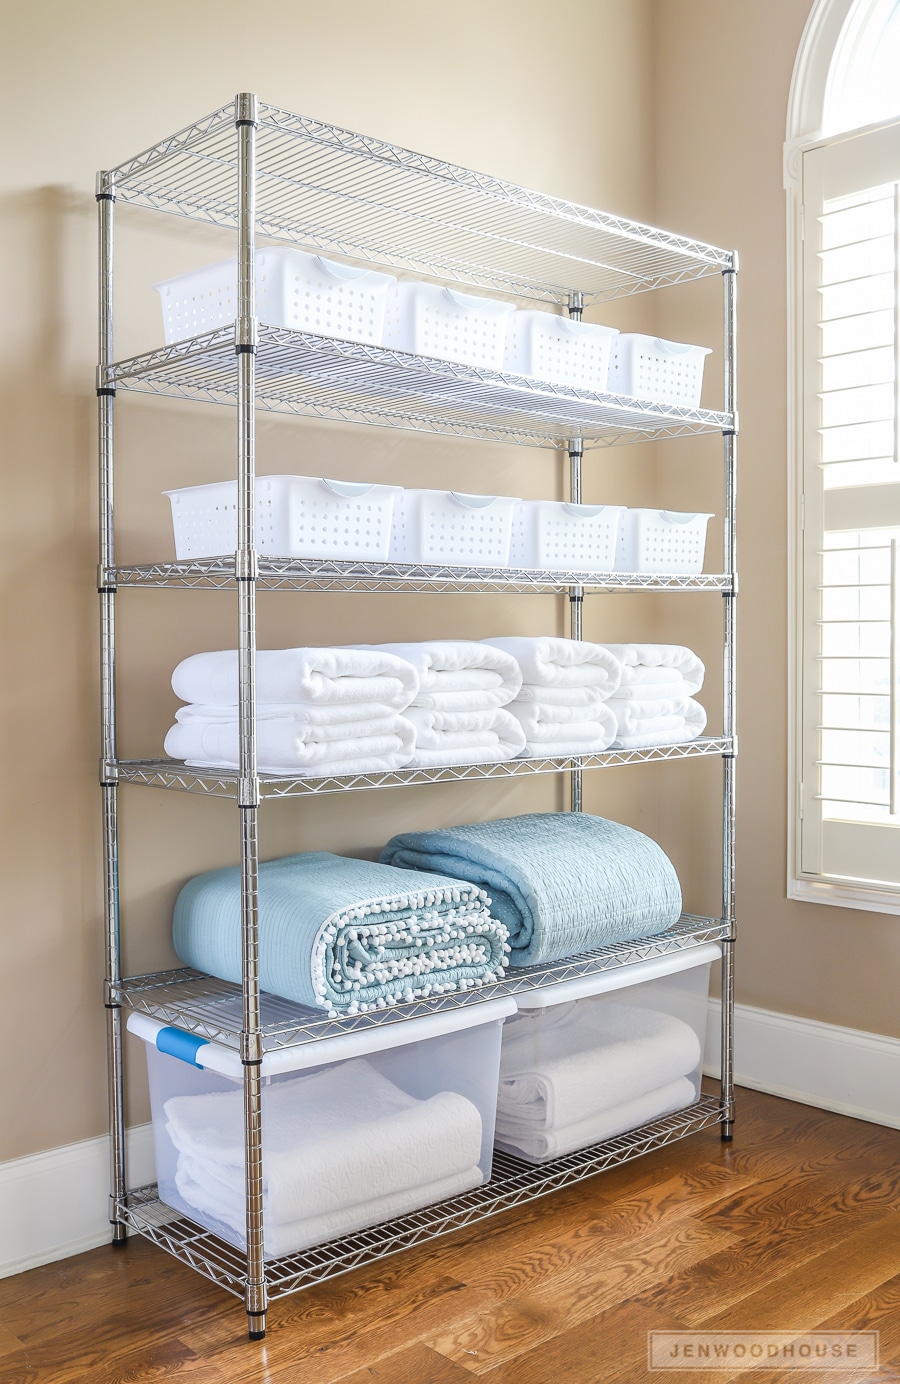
{"x":54,"y":1204}
{"x":841,"y":1069}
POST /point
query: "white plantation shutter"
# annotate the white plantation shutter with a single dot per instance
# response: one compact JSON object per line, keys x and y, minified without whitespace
{"x":850,"y":788}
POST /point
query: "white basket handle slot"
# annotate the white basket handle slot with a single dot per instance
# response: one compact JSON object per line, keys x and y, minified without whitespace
{"x":583,"y":511}
{"x":347,"y":490}
{"x":670,"y":517}
{"x":678,"y":348}
{"x":341,"y":271}
{"x":468,"y":303}
{"x":472,"y":501}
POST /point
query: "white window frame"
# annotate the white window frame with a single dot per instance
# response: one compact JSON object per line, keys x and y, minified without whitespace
{"x":806,"y":108}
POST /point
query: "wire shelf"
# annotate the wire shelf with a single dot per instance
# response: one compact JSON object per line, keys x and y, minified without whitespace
{"x":301,"y":373}
{"x":513,"y":1183}
{"x":224,"y":783}
{"x":211,"y":1008}
{"x":333,"y":190}
{"x":314,"y":574}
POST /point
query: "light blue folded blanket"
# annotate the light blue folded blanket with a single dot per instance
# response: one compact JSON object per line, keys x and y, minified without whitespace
{"x":562,"y":882}
{"x":347,"y":935}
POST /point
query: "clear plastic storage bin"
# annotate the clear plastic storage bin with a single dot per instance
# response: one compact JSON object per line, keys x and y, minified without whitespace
{"x":560,"y":350}
{"x":433,"y":321}
{"x":293,"y":289}
{"x":659,"y":540}
{"x":664,"y":372}
{"x":446,"y":528}
{"x":594,"y":1057}
{"x":296,"y":516}
{"x":547,"y":534}
{"x":356,"y":1129}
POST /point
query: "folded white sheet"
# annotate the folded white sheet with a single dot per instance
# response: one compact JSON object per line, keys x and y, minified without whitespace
{"x":458,"y":674}
{"x":558,"y":1069}
{"x":665,"y":730}
{"x":291,"y":745}
{"x":310,"y":676}
{"x":500,"y":737}
{"x":335,"y":1138}
{"x":540,"y":1144}
{"x":549,"y":662}
{"x":655,"y":663}
{"x":193,"y":1183}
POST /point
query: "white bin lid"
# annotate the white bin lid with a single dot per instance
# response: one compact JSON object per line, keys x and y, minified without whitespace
{"x":620,"y":977}
{"x":215,"y":1057}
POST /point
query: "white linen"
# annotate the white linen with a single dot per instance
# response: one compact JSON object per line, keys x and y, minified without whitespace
{"x":560,"y":730}
{"x":338,"y":1138}
{"x":666,"y":730}
{"x":458,"y":674}
{"x":654,"y":663}
{"x":541,"y":1144}
{"x":558,"y":1069}
{"x":291,"y":744}
{"x":499,"y":737}
{"x":549,"y":662}
{"x":310,"y":676}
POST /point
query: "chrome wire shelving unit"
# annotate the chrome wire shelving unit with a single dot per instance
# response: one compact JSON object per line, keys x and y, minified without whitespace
{"x":259,"y":170}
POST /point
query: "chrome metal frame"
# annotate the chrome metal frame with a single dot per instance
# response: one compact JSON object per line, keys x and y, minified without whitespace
{"x":263,"y":171}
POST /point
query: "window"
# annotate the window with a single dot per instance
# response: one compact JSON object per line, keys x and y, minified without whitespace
{"x":846,"y":289}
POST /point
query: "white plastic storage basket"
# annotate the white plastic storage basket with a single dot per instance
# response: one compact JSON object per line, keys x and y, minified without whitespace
{"x":433,"y":321}
{"x":446,"y":528}
{"x":293,"y":289}
{"x":594,"y":1057}
{"x":296,"y":516}
{"x":547,"y":534}
{"x":356,"y":1129}
{"x":659,"y":540}
{"x":664,"y":372}
{"x":560,"y":350}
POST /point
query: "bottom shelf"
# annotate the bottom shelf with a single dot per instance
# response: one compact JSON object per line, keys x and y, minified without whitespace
{"x":513,"y":1183}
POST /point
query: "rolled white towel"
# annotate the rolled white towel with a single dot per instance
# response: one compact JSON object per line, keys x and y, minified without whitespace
{"x":309,"y":676}
{"x":291,"y":746}
{"x":458,"y":674}
{"x":500,"y":738}
{"x":651,"y":663}
{"x":540,"y":1144}
{"x":563,"y":663}
{"x":664,"y":730}
{"x":555,"y":730}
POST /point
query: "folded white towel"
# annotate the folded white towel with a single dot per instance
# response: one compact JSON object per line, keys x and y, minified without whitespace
{"x":291,"y":745}
{"x":197,"y":1189}
{"x":458,"y":674}
{"x":582,"y":700}
{"x":333,"y":1138}
{"x":314,"y":723}
{"x":549,"y":662}
{"x":500,"y":738}
{"x":674,"y":689}
{"x":310,"y":676}
{"x":560,"y":730}
{"x":557,"y":1069}
{"x":541,"y":1144}
{"x":654,"y":663}
{"x":666,"y":730}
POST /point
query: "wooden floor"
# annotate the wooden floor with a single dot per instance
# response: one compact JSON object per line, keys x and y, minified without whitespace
{"x":796,"y":1226}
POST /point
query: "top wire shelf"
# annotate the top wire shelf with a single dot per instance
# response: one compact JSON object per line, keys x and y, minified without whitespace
{"x":340,"y":192}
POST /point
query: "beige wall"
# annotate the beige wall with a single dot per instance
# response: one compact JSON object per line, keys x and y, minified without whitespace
{"x":87,"y":86}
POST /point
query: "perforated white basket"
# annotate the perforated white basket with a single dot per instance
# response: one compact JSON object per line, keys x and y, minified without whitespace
{"x":432,"y":321}
{"x":560,"y":350}
{"x":296,"y":516}
{"x":666,"y":372}
{"x":443,"y":527}
{"x":550,"y":535}
{"x":659,"y":540}
{"x":293,"y":289}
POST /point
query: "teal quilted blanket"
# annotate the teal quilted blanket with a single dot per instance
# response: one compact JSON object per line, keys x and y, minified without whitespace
{"x":561,"y":882}
{"x":346,"y":935}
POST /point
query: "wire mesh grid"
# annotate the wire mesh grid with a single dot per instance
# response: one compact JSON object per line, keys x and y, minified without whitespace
{"x":324,"y":377}
{"x":211,"y":1008}
{"x":173,"y":774}
{"x":314,"y":574}
{"x":512,"y":1184}
{"x":333,"y":190}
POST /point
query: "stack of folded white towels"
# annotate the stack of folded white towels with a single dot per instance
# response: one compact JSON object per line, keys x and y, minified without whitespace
{"x":579,"y":1073}
{"x":458,"y":710}
{"x":563,"y":704}
{"x":654,"y":702}
{"x":319,"y":711}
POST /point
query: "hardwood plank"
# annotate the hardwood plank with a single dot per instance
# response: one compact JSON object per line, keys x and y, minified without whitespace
{"x":416,"y":1365}
{"x":481,"y":1341}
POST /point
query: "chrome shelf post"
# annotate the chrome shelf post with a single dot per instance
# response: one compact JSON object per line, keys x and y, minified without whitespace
{"x":729,"y":760}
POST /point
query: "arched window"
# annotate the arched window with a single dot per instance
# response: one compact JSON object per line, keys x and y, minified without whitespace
{"x":843,"y":177}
